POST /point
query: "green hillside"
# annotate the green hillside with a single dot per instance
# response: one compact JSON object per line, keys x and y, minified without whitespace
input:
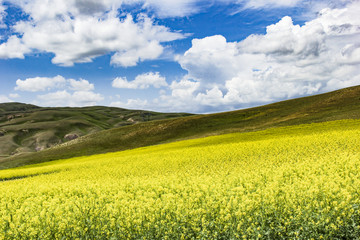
{"x":27,"y":128}
{"x":341,"y":104}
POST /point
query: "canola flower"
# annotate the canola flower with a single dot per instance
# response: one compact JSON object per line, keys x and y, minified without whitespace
{"x":299,"y":182}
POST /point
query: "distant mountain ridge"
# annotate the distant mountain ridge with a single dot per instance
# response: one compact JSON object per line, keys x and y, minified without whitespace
{"x":28,"y":128}
{"x":7,"y":108}
{"x":341,"y":104}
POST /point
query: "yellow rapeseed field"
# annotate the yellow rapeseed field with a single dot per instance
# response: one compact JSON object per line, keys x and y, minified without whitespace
{"x":299,"y":182}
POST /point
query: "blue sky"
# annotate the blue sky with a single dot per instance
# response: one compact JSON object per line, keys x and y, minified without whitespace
{"x":176,"y":56}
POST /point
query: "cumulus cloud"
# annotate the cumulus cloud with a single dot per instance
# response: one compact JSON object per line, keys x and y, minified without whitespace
{"x":288,"y":61}
{"x":131,"y":58}
{"x":70,"y":92}
{"x":40,"y":84}
{"x":13,"y":48}
{"x":141,"y":81}
{"x":131,"y":104}
{"x":75,"y":99}
{"x":208,"y":57}
{"x":286,"y":39}
{"x":78,"y":31}
{"x":81,"y":85}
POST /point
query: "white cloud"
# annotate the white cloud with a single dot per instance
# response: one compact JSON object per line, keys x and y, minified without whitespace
{"x":131,"y":58}
{"x":13,"y":48}
{"x":184,"y":88}
{"x":77,"y":31}
{"x":75,"y":99}
{"x":181,"y":98}
{"x":122,"y":82}
{"x":284,"y":38}
{"x":288,"y":61}
{"x":208,"y":57}
{"x":131,"y":104}
{"x":73,"y":93}
{"x":59,"y":98}
{"x":141,"y":81}
{"x":40,"y":83}
{"x":86,"y":98}
{"x":81,"y":85}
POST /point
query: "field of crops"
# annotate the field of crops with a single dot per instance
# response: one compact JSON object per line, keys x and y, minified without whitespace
{"x":298,"y":182}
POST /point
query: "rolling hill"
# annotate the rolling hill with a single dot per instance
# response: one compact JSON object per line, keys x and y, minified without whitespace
{"x":341,"y":104}
{"x":28,"y":128}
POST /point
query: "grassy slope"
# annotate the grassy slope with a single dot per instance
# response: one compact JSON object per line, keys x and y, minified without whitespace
{"x":341,"y":104}
{"x":34,"y":128}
